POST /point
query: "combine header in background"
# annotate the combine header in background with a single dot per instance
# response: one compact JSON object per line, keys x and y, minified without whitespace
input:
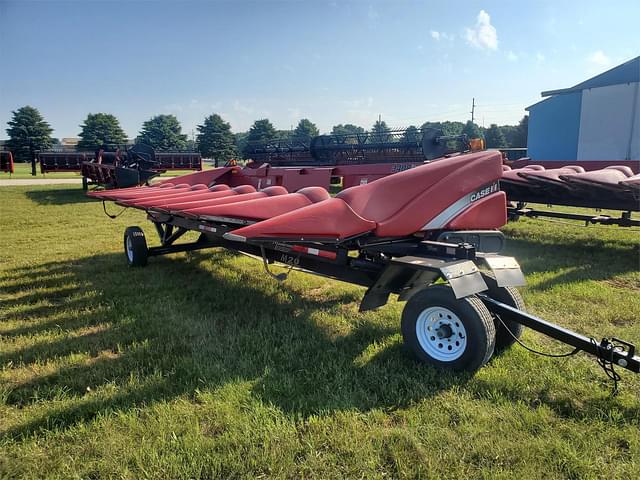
{"x":391,"y":146}
{"x":613,"y":188}
{"x":118,"y":166}
{"x":6,"y":161}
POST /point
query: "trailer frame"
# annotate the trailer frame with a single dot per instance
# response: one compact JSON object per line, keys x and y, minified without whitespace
{"x":402,"y":266}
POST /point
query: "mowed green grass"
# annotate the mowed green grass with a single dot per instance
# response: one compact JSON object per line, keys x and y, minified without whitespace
{"x":23,"y":171}
{"x":200,"y":366}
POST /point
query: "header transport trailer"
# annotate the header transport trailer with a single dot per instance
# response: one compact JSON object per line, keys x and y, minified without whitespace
{"x":428,"y":234}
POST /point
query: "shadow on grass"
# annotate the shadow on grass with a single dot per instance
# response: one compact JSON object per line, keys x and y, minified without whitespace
{"x":61,"y":196}
{"x":578,"y":260}
{"x":175,"y":327}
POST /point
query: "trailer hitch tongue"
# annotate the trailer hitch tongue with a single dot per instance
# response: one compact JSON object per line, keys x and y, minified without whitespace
{"x":609,"y":353}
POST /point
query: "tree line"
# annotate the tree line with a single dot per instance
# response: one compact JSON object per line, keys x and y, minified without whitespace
{"x":28,"y":131}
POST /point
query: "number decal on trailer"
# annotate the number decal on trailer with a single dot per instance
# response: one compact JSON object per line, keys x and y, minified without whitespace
{"x":289,"y":259}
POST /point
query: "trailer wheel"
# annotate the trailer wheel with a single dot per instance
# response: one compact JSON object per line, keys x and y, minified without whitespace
{"x":509,"y":296}
{"x":135,"y":247}
{"x":456,"y":334}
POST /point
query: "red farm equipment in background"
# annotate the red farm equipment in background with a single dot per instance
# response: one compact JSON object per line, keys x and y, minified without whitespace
{"x":118,"y":166}
{"x":6,"y":162}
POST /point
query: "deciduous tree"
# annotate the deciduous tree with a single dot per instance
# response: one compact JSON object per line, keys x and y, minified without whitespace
{"x":494,"y":137}
{"x":522,"y":132}
{"x":471,"y":130}
{"x":346,"y":129}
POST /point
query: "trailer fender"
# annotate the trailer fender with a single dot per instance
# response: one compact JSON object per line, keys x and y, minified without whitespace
{"x":409,"y":274}
{"x":506,"y":270}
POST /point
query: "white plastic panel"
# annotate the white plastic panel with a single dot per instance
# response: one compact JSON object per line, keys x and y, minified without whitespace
{"x":606,"y":123}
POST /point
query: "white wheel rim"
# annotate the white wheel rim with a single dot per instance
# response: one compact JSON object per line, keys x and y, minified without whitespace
{"x":129,"y":249}
{"x":441,"y":334}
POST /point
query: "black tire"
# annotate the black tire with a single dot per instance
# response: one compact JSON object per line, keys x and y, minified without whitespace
{"x":509,"y":296}
{"x":85,"y":183}
{"x":135,"y":247}
{"x":456,"y":351}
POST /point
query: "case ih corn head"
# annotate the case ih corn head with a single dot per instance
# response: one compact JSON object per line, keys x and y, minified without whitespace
{"x":614,"y":187}
{"x":428,"y":235}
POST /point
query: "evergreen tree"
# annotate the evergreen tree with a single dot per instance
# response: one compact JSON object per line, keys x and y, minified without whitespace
{"x":215,"y":139}
{"x":28,"y":131}
{"x":163,"y":132}
{"x":494,"y":137}
{"x":99,"y":129}
{"x":305,"y":131}
{"x":261,"y":132}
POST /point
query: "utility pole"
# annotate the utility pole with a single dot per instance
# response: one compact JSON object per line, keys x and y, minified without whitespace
{"x":473,"y":108}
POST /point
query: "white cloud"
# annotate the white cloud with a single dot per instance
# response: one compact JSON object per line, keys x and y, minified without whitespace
{"x":483,"y":35}
{"x":437,"y":36}
{"x":599,"y":59}
{"x":512,"y":56}
{"x":540,"y":57}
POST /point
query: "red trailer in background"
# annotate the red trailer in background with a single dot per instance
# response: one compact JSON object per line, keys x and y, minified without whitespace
{"x":6,"y":161}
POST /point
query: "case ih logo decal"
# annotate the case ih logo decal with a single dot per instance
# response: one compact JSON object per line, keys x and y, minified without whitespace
{"x":494,"y":187}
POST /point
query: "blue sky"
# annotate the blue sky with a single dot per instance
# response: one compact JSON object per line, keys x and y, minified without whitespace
{"x":330,"y":61}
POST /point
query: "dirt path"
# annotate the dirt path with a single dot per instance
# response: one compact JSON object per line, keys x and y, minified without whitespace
{"x":21,"y":182}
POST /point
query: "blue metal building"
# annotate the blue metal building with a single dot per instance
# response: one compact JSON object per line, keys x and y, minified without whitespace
{"x":597,"y":120}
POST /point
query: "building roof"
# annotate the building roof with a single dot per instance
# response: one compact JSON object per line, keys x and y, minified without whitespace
{"x":628,"y":72}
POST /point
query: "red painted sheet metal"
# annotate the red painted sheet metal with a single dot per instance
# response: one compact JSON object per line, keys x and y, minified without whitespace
{"x":194,"y":193}
{"x":186,"y":207}
{"x":258,"y":209}
{"x":488,"y":213}
{"x":137,"y":192}
{"x":403,"y":203}
{"x":609,"y":177}
{"x":141,"y":196}
{"x":588,"y":165}
{"x":158,"y":201}
{"x":332,"y":218}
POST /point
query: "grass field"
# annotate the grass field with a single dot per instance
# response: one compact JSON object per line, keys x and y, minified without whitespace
{"x":199,"y":366}
{"x":23,"y":171}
